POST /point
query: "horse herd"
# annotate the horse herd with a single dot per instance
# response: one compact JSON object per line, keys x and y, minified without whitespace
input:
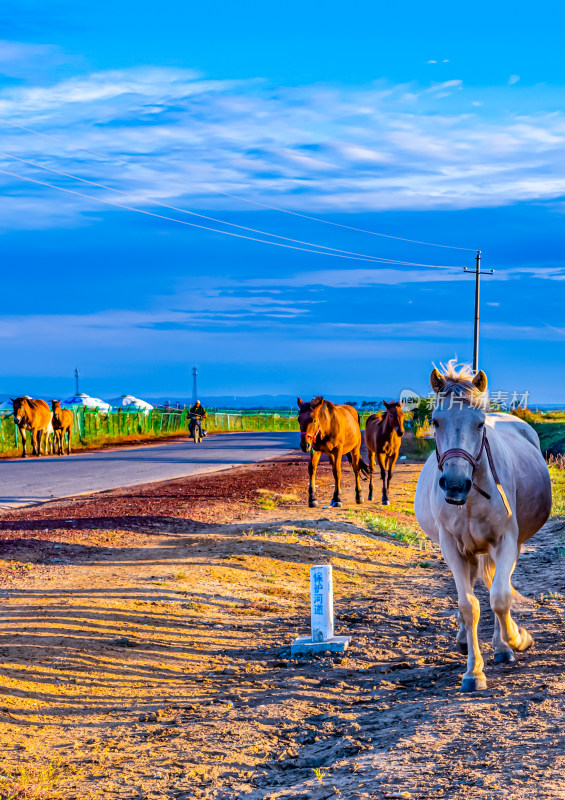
{"x":484,"y":492}
{"x":336,"y":431}
{"x":50,"y":428}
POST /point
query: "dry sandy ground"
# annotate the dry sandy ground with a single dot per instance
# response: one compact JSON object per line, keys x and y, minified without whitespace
{"x":145,"y":653}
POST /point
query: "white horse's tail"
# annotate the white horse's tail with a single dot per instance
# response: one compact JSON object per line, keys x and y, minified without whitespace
{"x":487,"y":569}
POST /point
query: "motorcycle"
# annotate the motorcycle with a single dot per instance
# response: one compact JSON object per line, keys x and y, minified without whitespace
{"x":196,"y":428}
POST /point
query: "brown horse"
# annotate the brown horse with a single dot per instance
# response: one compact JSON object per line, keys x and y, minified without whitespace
{"x":383,"y":433}
{"x":62,"y":424}
{"x":335,"y":430}
{"x":31,"y":415}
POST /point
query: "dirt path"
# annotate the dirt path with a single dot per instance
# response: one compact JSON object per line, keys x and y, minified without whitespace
{"x":145,"y":654}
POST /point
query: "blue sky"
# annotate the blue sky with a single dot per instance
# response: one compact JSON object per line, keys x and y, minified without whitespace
{"x":442,"y":126}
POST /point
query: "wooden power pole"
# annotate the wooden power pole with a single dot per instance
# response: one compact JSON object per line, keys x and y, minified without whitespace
{"x":194,"y":385}
{"x":477,"y":273}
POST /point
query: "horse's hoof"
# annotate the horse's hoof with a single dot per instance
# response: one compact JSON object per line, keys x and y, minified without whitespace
{"x":474,"y":684}
{"x":504,"y":657}
{"x":370,"y":496}
{"x":359,"y":500}
{"x":462,"y":647}
{"x":386,"y":502}
{"x":336,"y":504}
{"x":313,"y":504}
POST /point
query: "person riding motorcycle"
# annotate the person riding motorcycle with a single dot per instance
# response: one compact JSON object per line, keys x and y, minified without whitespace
{"x":197,"y":410}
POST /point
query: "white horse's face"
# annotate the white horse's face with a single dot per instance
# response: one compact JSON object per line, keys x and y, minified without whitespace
{"x":459,"y":427}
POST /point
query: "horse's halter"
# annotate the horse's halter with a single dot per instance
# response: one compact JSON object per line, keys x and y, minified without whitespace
{"x":458,"y":452}
{"x":311,"y":436}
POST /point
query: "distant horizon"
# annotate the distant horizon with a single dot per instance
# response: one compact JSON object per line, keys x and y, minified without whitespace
{"x":250,"y":401}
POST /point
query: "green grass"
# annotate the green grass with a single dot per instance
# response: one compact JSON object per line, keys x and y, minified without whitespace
{"x":416,"y":449}
{"x":409,"y":534}
{"x":551,"y":436}
{"x":558,"y":489}
{"x":269,"y":500}
{"x":35,"y":783}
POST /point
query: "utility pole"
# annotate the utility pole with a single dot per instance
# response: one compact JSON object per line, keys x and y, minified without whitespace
{"x":477,"y":272}
{"x":76,"y":380}
{"x":194,"y":385}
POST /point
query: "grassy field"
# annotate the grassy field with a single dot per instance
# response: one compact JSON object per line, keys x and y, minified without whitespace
{"x":551,"y":436}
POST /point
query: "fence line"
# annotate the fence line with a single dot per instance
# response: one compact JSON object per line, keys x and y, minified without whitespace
{"x":91,"y":426}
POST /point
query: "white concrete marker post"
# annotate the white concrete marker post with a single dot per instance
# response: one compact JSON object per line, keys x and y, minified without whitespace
{"x":322,"y":616}
{"x":321,"y":603}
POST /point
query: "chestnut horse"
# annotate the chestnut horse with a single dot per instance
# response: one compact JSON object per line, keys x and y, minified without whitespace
{"x":62,"y":424}
{"x":31,"y":415}
{"x":383,"y":433}
{"x":335,"y":430}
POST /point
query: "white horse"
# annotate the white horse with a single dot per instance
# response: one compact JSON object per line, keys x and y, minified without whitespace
{"x":483,"y":493}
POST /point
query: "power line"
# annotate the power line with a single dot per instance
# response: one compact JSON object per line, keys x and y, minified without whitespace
{"x":214,"y":219}
{"x":195,"y":225}
{"x":190,"y":224}
{"x":233,"y":196}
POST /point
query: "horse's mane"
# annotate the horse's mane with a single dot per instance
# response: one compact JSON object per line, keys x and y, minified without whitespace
{"x":315,"y":402}
{"x":32,"y":401}
{"x":459,"y":382}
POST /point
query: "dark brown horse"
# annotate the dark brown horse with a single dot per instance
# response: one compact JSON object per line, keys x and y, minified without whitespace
{"x":335,"y":430}
{"x":62,"y":424}
{"x":31,"y":415}
{"x":382,"y":440}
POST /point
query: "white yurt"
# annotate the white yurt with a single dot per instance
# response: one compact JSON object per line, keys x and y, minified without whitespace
{"x":84,"y":400}
{"x":130,"y":403}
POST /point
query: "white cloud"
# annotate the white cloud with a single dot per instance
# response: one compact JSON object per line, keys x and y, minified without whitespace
{"x":310,"y":148}
{"x":513,"y":79}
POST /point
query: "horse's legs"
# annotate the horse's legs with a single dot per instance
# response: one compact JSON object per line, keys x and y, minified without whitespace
{"x":68,"y":441}
{"x":355,"y":459}
{"x":461,"y":637}
{"x":391,"y":463}
{"x":508,"y":635}
{"x":381,"y":458}
{"x":469,"y":609}
{"x":371,"y":470}
{"x":335,"y":459}
{"x":312,"y":467}
{"x":36,"y":441}
{"x":23,"y":435}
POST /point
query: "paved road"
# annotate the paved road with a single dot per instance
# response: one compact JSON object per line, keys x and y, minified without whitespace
{"x":34,"y":480}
